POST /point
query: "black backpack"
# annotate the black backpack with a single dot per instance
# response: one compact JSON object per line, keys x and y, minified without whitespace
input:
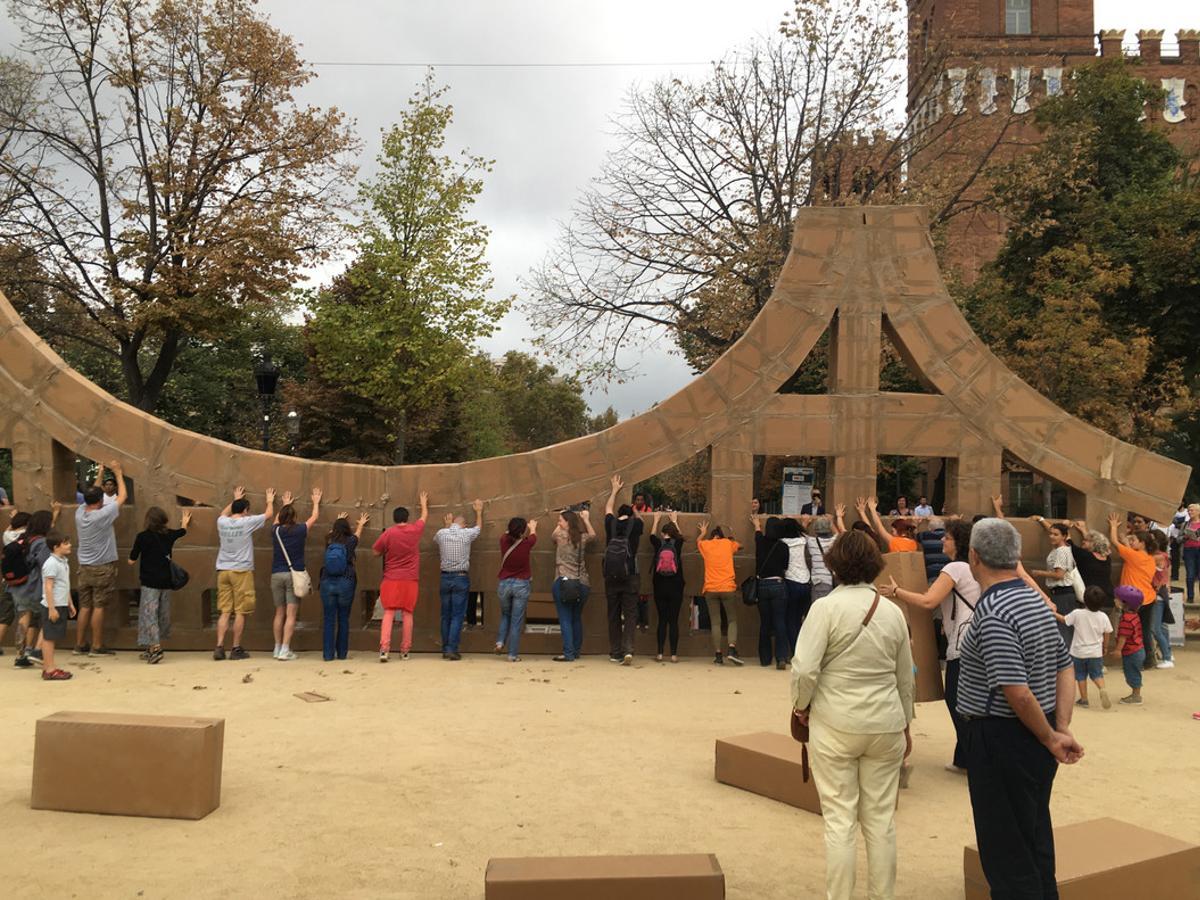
{"x":618,"y":561}
{"x":14,"y":564}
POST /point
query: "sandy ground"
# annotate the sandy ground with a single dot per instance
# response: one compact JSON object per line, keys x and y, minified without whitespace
{"x":416,"y":773}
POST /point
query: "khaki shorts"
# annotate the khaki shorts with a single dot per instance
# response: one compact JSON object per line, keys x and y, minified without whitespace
{"x":235,"y":592}
{"x":97,"y":585}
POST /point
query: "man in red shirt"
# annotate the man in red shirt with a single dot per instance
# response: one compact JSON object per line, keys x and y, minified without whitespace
{"x":400,"y":548}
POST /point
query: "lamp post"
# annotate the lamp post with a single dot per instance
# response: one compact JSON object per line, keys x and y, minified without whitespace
{"x":293,"y":430}
{"x":266,"y":375}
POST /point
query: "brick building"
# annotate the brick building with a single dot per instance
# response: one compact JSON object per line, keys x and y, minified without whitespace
{"x":976,"y":69}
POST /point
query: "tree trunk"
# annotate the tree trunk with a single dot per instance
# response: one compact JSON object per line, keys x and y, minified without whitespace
{"x":144,"y":391}
{"x":401,"y":426}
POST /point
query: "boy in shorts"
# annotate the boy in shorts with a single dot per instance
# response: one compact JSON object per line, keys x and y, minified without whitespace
{"x":56,"y":598}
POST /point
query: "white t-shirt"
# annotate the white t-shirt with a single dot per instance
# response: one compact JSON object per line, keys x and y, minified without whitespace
{"x":10,"y":536}
{"x":923,"y":511}
{"x":237,"y":542}
{"x":1090,"y":629}
{"x":797,"y":569}
{"x":1060,"y":558}
{"x":957,"y":611}
{"x":56,"y":567}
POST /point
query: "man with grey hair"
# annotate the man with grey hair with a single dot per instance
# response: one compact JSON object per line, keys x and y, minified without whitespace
{"x":1016,"y":694}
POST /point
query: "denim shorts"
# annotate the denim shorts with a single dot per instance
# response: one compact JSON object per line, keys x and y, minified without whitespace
{"x":1088,"y":668}
{"x":1133,"y":668}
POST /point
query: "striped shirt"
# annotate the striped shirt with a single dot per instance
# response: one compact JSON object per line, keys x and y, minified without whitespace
{"x":817,"y":548}
{"x":1013,"y":639}
{"x":455,"y":546}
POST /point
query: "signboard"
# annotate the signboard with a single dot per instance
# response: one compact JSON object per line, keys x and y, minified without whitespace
{"x":797,"y":488}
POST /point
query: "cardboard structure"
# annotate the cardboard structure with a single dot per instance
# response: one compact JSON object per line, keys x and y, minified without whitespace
{"x":1105,"y":859}
{"x":857,"y":273}
{"x":769,"y":764}
{"x":671,"y":877}
{"x":129,"y":765}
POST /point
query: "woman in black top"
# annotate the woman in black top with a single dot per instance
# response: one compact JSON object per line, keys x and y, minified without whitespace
{"x":1091,"y":557}
{"x":668,"y":580}
{"x":153,"y":547}
{"x":771,"y":562}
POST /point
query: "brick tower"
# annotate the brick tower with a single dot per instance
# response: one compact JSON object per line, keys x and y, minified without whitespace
{"x":977,"y":67}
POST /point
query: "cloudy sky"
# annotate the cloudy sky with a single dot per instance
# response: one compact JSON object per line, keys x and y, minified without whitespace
{"x":547,"y":124}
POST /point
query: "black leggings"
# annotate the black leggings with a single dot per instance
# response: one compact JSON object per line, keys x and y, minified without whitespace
{"x":668,"y":599}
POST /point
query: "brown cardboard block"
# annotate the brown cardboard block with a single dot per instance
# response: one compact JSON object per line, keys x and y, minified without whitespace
{"x":769,"y":764}
{"x":695,"y":876}
{"x":162,"y":766}
{"x":1106,"y":859}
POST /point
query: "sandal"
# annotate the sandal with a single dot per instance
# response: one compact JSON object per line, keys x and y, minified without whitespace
{"x":155,"y":656}
{"x":56,"y":675}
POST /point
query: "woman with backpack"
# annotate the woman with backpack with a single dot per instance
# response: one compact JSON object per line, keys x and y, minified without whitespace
{"x":153,"y":547}
{"x":771,"y":564}
{"x":338,"y":584}
{"x":668,"y":580}
{"x":571,"y":585}
{"x":288,"y":538}
{"x":516,"y":580}
{"x":23,"y":560}
{"x":956,"y":591}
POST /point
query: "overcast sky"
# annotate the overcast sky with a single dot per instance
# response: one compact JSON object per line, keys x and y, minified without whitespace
{"x":547,"y":127}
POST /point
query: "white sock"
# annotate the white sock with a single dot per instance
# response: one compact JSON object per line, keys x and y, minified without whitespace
{"x":283,"y":648}
{"x":278,"y":647}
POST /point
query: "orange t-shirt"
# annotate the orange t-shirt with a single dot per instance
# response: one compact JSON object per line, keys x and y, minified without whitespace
{"x":719,"y":576}
{"x":902,"y":545}
{"x":1138,"y":571}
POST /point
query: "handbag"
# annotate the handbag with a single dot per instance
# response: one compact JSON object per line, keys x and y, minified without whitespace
{"x":301,"y":583}
{"x":750,"y":585}
{"x":179,"y":575}
{"x":570,"y":590}
{"x":799,"y":729}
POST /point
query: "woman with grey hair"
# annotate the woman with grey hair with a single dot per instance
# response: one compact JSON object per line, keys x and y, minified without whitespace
{"x":1092,"y":558}
{"x":817,"y":544}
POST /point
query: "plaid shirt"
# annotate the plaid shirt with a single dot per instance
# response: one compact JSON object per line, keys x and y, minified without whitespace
{"x":455,"y":546}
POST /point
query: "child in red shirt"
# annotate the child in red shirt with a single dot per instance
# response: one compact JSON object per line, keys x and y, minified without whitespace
{"x":1129,"y":640}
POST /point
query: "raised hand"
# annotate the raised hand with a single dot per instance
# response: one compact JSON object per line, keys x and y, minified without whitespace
{"x":317,"y":493}
{"x":617,"y":484}
{"x":1114,"y":519}
{"x":447,"y":520}
{"x":477,"y":506}
{"x":344,"y":515}
{"x":239,"y":492}
{"x":287,"y":497}
{"x":186,"y":519}
{"x":424,"y":497}
{"x":532,"y":526}
{"x":270,"y":495}
{"x":674,"y":516}
{"x":840,"y":510}
{"x":363,"y":518}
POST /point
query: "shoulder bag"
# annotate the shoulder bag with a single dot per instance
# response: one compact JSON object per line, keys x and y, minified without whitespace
{"x":750,"y":585}
{"x":570,"y":590}
{"x":507,"y":553}
{"x":800,"y":730}
{"x":301,"y":583}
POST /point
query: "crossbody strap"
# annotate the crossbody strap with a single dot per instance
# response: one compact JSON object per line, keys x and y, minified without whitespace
{"x":861,"y":631}
{"x":758,"y":574}
{"x":279,"y":537}
{"x":511,"y":547}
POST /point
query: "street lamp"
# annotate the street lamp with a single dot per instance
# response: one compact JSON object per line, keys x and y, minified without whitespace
{"x":293,"y":430}
{"x":266,"y":374}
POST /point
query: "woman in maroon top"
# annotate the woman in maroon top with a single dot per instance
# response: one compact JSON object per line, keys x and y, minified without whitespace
{"x":515,"y":582}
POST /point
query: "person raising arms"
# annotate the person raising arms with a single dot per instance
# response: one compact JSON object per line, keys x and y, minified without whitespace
{"x":1138,"y":569}
{"x":401,"y":551}
{"x":900,"y":538}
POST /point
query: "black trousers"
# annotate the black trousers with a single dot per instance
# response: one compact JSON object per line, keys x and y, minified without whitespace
{"x":621,"y":594}
{"x":960,"y":749}
{"x":772,"y":627}
{"x":668,"y":600}
{"x":1146,"y":616}
{"x":1010,"y":776}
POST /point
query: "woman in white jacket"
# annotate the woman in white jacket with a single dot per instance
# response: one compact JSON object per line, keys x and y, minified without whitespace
{"x":852,"y":680}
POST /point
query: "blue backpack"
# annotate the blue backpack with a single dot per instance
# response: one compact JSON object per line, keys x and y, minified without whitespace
{"x":337,"y":560}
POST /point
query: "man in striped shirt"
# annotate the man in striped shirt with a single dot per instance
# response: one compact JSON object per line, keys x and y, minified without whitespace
{"x":1015,"y":693}
{"x":454,"y":544}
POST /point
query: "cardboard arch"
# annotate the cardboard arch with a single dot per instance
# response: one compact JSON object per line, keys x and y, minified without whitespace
{"x":855,"y":271}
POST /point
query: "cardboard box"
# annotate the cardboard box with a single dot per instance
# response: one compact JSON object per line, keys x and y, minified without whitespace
{"x":1105,"y":859}
{"x":163,"y":766}
{"x":769,"y":764}
{"x":680,"y":877}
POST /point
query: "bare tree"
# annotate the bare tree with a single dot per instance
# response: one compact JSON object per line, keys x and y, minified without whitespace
{"x":157,"y":164}
{"x":686,"y":227}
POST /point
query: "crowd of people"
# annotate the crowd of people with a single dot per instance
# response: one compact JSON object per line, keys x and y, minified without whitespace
{"x":1018,"y":657}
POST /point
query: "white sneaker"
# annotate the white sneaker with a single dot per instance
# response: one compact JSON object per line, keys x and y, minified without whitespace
{"x":286,"y":655}
{"x":1165,"y":664}
{"x":383,"y":657}
{"x":275,"y":652}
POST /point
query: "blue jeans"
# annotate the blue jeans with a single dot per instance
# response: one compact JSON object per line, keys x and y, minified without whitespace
{"x":1161,"y":636}
{"x":337,"y":599}
{"x":454,"y":609}
{"x":1132,"y":664}
{"x":799,"y":602}
{"x":772,"y":611}
{"x":514,"y":597}
{"x":570,"y":619}
{"x":1191,"y":570}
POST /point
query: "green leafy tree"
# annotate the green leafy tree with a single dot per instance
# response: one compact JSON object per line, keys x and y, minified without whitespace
{"x":403,"y":323}
{"x":1092,"y":296}
{"x":154,"y":159}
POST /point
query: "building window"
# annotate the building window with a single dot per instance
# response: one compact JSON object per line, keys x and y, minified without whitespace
{"x":1017,"y":17}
